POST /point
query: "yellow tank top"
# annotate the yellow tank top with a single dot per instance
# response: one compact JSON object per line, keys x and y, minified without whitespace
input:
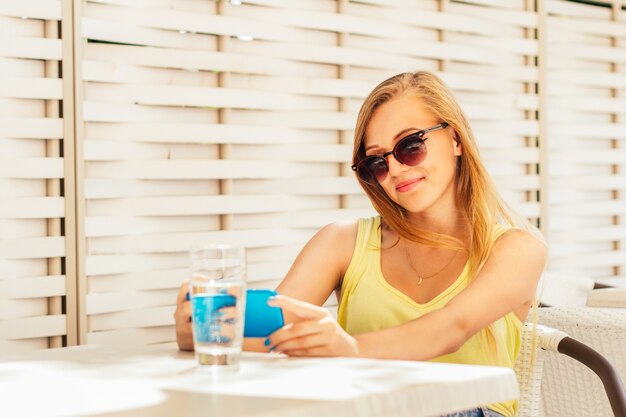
{"x":370,"y":303}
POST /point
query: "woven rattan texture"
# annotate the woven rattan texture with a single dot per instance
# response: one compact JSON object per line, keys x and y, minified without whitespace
{"x":568,"y":387}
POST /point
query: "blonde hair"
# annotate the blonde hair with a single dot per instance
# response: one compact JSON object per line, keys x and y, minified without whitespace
{"x":478,"y":199}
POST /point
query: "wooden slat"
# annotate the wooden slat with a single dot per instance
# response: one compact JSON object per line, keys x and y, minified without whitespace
{"x":203,"y":97}
{"x":595,"y":234}
{"x":31,"y":168}
{"x":31,"y":207}
{"x":33,"y":327}
{"x":132,"y":318}
{"x":591,"y":208}
{"x":589,"y":78}
{"x":35,"y":128}
{"x":118,"y":226}
{"x":314,"y":219}
{"x":32,"y":9}
{"x":602,"y":27}
{"x":205,"y":205}
{"x":132,"y":263}
{"x":588,"y":130}
{"x":314,"y":85}
{"x":187,"y":22}
{"x":587,"y":260}
{"x":168,"y":57}
{"x":201,"y":132}
{"x":182,"y":242}
{"x":299,"y":186}
{"x":125,"y":33}
{"x":111,"y":151}
{"x":136,"y":281}
{"x":33,"y":287}
{"x":196,"y":169}
{"x":117,"y":188}
{"x":596,"y":182}
{"x":34,"y":88}
{"x":590,"y":104}
{"x":32,"y":248}
{"x":516,"y":17}
{"x":119,"y":301}
{"x":572,"y":9}
{"x":31,"y":48}
{"x":593,"y":53}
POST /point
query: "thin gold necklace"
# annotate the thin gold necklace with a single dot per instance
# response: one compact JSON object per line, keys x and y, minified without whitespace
{"x":422,"y":278}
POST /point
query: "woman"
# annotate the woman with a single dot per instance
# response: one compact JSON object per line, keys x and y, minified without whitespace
{"x":446,"y":272}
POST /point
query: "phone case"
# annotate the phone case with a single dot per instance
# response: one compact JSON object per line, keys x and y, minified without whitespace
{"x":261,"y":319}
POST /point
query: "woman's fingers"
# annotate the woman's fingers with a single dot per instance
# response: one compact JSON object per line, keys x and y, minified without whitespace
{"x":295,"y":331}
{"x":182,"y":318}
{"x":182,"y":293}
{"x":184,"y":337}
{"x":304,"y":342}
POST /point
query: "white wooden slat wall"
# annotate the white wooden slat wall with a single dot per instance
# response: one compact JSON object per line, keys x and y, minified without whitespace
{"x":587,"y":133}
{"x":201,"y":121}
{"x":32,"y":166}
{"x":211,"y":122}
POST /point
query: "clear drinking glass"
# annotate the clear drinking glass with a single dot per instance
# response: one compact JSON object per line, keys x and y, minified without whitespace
{"x":217,"y":293}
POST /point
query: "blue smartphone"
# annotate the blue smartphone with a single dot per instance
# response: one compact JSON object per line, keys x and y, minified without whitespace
{"x":261,"y":318}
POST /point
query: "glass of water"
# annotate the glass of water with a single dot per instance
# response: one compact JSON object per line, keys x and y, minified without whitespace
{"x":217,"y":293}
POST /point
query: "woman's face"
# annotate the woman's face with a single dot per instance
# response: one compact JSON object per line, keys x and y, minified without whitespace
{"x":428,"y":185}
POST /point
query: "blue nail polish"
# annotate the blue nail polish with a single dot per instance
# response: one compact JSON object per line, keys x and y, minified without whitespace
{"x":272,"y":348}
{"x":187,"y":296}
{"x":267,"y":342}
{"x":271,"y":298}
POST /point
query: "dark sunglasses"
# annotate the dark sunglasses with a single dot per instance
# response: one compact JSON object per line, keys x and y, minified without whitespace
{"x":410,"y":150}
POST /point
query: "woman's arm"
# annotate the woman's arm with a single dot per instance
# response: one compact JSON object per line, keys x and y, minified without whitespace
{"x":506,"y":283}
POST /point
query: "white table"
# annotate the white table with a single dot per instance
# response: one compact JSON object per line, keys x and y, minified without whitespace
{"x":162,"y":381}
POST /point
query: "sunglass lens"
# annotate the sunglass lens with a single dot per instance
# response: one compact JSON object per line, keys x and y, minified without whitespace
{"x":411,"y":150}
{"x":372,"y":169}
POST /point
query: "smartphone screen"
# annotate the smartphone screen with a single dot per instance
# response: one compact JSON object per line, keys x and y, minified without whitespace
{"x":261,"y":319}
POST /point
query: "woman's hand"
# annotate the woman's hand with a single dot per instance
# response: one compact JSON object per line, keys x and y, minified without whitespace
{"x":182,"y":317}
{"x":313,"y":331}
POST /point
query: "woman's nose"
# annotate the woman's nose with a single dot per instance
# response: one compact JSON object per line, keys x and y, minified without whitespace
{"x":395,"y":167}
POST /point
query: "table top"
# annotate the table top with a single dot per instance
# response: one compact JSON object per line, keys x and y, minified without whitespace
{"x":160,"y":380}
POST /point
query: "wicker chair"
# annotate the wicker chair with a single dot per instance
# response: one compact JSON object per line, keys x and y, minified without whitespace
{"x":556,"y":386}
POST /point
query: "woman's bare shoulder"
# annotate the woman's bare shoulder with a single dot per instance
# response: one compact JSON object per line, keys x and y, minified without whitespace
{"x":339,"y":236}
{"x":521,"y":242}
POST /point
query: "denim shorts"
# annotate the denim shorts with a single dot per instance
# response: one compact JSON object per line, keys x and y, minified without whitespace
{"x":476,"y":412}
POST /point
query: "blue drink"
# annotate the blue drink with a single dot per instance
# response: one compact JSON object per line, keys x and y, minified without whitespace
{"x":217,"y":317}
{"x":218,"y":302}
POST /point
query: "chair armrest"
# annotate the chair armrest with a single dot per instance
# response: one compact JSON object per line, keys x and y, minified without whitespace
{"x":601,"y":367}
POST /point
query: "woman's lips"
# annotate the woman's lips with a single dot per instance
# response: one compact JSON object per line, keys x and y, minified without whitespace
{"x":405,"y":186}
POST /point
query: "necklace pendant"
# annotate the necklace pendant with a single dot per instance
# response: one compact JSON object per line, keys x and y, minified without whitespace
{"x":420,"y":281}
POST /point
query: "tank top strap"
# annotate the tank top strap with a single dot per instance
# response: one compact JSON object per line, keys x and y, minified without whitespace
{"x":367,"y":244}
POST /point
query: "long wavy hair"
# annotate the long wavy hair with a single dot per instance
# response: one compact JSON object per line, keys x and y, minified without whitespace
{"x":476,"y":194}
